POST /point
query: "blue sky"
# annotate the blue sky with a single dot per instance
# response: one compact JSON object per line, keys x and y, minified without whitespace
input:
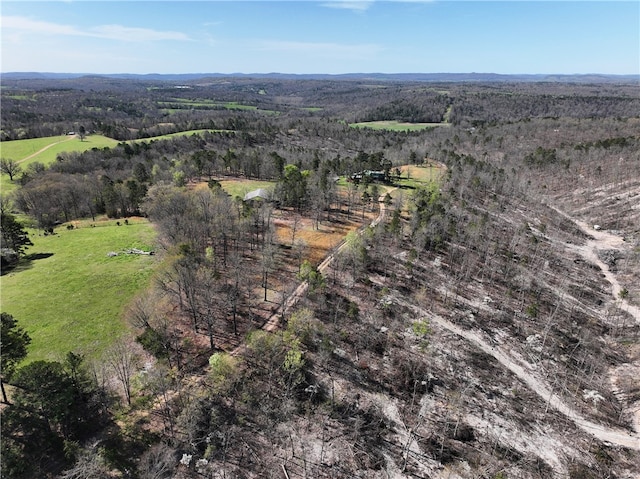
{"x":332,"y":36}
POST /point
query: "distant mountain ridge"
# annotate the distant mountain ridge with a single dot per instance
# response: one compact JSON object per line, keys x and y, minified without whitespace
{"x":414,"y":77}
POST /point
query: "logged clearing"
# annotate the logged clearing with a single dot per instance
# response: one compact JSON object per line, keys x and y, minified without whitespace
{"x":322,"y":240}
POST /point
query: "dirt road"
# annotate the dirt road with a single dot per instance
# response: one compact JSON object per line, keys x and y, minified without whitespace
{"x":604,"y":240}
{"x":274,"y":321}
{"x":524,"y":372}
{"x":519,"y":368}
{"x":322,"y":268}
{"x":601,"y":240}
{"x":44,"y":149}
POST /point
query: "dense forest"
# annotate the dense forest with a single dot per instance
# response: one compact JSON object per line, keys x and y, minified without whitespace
{"x":470,"y":331}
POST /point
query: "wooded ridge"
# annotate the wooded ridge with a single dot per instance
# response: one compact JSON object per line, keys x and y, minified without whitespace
{"x":460,"y":300}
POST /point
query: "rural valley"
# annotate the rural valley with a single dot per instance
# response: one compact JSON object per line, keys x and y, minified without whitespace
{"x":270,"y":277}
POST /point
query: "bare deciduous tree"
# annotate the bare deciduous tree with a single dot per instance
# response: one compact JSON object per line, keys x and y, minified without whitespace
{"x":158,"y":462}
{"x":10,"y":166}
{"x":122,"y":358}
{"x":89,"y":464}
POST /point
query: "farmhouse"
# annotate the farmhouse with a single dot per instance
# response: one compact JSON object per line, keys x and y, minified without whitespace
{"x":372,"y":175}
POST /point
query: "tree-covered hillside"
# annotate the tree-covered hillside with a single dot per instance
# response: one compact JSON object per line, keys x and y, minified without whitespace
{"x":458,"y":301}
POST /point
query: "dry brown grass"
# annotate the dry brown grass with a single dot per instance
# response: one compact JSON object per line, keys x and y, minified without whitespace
{"x":326,"y":237}
{"x":429,"y":172}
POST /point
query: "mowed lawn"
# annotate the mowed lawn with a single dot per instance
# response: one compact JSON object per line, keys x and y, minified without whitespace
{"x":71,"y":296}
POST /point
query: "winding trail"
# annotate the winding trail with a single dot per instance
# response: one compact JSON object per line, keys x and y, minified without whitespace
{"x":600,"y":240}
{"x":519,"y":368}
{"x":603,"y":240}
{"x":589,"y":251}
{"x":525,"y":373}
{"x":44,"y":149}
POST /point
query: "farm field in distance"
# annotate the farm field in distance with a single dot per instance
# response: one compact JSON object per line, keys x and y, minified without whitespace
{"x":394,"y":125}
{"x":179,"y":133}
{"x":46,"y":150}
{"x":175,"y":105}
{"x":27,"y":151}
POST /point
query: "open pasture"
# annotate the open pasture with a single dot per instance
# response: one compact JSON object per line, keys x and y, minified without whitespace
{"x":70,"y":295}
{"x":394,"y":125}
{"x":168,"y":136}
{"x":183,"y":103}
{"x":180,"y":104}
{"x":419,"y":175}
{"x":45,"y":150}
{"x":19,"y":150}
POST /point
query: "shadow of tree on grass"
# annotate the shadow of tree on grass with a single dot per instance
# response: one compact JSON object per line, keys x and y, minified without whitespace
{"x":26,"y":262}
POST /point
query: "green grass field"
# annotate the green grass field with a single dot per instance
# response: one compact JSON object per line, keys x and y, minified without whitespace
{"x":418,"y":176}
{"x":20,"y":97}
{"x":6,"y":186}
{"x":186,"y":103}
{"x":241,"y":187}
{"x":178,"y":104}
{"x":46,"y":150}
{"x":26,"y":151}
{"x":181,"y":103}
{"x":70,"y":295}
{"x":396,"y":125}
{"x":168,"y":136}
{"x":20,"y":149}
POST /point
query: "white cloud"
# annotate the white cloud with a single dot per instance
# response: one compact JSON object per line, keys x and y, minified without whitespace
{"x":363,"y":5}
{"x":132,"y":34}
{"x":354,"y":5}
{"x":27,"y":25}
{"x":109,"y":32}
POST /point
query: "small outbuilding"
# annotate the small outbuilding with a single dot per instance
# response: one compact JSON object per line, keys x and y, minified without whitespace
{"x":260,"y":193}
